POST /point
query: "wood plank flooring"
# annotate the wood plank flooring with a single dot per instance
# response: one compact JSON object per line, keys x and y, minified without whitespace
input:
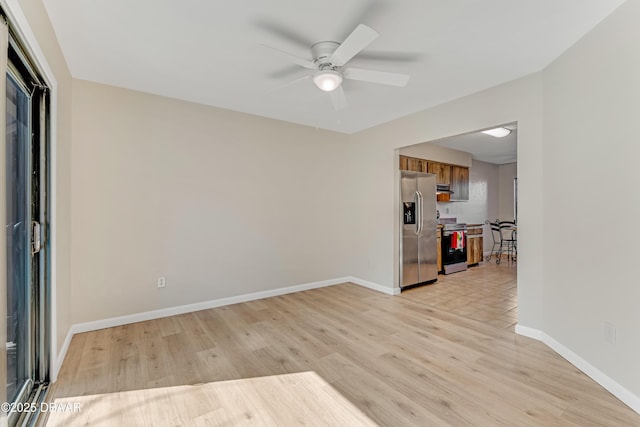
{"x":341,"y":355}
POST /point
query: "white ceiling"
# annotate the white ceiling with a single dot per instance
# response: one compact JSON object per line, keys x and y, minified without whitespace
{"x":209,"y":51}
{"x":485,"y":148}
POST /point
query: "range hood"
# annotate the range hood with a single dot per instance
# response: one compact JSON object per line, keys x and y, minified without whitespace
{"x":443,"y":189}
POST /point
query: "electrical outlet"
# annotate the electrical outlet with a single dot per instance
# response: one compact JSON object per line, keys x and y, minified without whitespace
{"x":162,"y":282}
{"x":610,"y":332}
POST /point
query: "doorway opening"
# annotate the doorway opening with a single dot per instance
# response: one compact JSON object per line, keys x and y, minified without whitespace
{"x":480,"y":173}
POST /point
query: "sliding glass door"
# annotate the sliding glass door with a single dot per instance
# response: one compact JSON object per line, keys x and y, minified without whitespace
{"x":20,"y":280}
{"x":24,"y":289}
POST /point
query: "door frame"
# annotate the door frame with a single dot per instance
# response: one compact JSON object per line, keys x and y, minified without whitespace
{"x":20,"y":26}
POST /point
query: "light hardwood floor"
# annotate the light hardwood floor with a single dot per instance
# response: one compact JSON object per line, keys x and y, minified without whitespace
{"x":440,"y":355}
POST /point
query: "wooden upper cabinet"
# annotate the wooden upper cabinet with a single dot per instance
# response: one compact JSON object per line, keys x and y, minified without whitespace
{"x":442,"y":171}
{"x":455,"y":176}
{"x":419,"y":165}
{"x":459,"y":183}
{"x":413,"y":164}
{"x":404,"y":163}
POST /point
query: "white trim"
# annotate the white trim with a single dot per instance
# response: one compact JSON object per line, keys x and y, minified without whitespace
{"x":172,"y":311}
{"x":598,"y":376}
{"x":63,"y":351}
{"x":615,"y":388}
{"x":55,"y":362}
{"x":529,"y":332}
{"x":384,"y":289}
{"x":17,"y":17}
{"x":188,"y":308}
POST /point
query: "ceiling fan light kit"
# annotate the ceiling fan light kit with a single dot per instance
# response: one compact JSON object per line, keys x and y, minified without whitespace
{"x":327,"y":80}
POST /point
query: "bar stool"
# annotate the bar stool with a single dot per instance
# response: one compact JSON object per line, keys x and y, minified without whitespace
{"x":508,"y":240}
{"x":497,"y":240}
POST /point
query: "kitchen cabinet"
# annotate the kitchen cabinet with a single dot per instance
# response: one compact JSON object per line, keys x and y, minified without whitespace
{"x":443,"y":176}
{"x":475,"y":246}
{"x":442,"y":172}
{"x":413,"y":164}
{"x":443,"y":197}
{"x":457,"y":177}
{"x":459,"y":183}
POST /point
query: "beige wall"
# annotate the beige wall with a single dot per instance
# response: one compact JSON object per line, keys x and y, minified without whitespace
{"x":221,"y":203}
{"x":591,"y":154}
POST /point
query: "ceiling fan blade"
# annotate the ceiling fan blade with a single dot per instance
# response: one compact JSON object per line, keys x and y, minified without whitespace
{"x":360,"y":38}
{"x":292,"y":82}
{"x":407,"y":57}
{"x":338,"y":99}
{"x":381,"y":77}
{"x":295,"y":59}
{"x":369,"y":12}
{"x":285,"y":33}
{"x":284,"y":71}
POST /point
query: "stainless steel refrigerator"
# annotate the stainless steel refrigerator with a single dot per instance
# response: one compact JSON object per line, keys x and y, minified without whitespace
{"x":418,"y":251}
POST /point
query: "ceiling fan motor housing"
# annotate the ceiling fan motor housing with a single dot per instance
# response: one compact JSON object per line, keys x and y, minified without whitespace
{"x":321,"y":53}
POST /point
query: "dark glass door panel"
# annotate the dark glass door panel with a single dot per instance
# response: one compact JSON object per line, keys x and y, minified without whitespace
{"x":18,"y":230}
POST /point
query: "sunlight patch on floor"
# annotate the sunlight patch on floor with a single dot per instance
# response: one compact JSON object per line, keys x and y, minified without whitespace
{"x":281,"y":400}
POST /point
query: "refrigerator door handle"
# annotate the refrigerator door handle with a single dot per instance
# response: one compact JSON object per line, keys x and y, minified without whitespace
{"x":416,"y":197}
{"x":420,"y":217}
{"x":421,"y":212}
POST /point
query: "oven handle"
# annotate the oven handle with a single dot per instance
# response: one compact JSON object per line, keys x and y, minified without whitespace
{"x":450,"y":232}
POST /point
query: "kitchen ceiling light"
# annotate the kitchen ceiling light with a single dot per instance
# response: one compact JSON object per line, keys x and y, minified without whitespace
{"x":498,"y":132}
{"x":327,"y":80}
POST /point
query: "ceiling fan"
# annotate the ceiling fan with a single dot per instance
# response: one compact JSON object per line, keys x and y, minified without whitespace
{"x":328,"y":61}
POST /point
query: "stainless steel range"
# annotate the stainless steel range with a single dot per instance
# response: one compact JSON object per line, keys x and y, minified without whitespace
{"x":454,"y":247}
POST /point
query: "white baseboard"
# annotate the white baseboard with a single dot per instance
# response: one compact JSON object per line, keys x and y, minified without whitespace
{"x":598,"y":376}
{"x":61,"y":355}
{"x":529,"y":332}
{"x":172,"y":311}
{"x":375,"y":286}
{"x":188,"y":308}
{"x":615,"y":388}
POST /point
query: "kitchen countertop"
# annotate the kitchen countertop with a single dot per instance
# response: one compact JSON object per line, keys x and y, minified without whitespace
{"x":468,"y":226}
